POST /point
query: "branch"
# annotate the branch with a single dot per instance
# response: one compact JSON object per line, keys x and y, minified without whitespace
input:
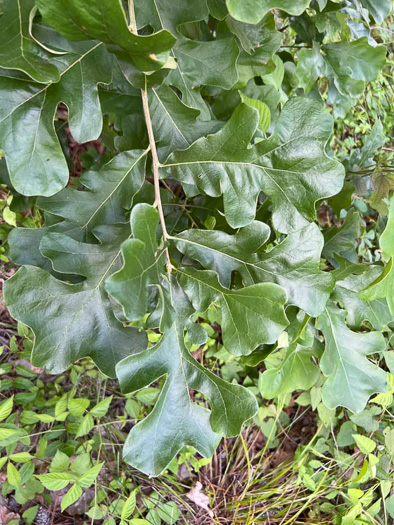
{"x":155,"y":160}
{"x":132,"y":23}
{"x":152,"y":143}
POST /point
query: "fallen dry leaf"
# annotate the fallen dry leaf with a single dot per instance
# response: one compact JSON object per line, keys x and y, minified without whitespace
{"x":6,"y":516}
{"x":199,"y":498}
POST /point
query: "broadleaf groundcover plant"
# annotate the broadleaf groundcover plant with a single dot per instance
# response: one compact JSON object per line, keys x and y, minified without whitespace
{"x":219,"y":155}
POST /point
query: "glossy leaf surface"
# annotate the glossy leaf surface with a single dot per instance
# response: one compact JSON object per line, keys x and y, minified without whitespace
{"x":143,"y":264}
{"x":62,"y":315}
{"x":182,"y":422}
{"x":224,"y":164}
{"x":351,"y":377}
{"x":293,"y":264}
{"x":34,"y":156}
{"x":17,"y":49}
{"x":252,"y":11}
{"x":105,"y":20}
{"x":259,"y":306}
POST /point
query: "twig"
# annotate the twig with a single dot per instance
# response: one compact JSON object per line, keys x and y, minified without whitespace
{"x":152,"y":143}
{"x":297,"y":46}
{"x":155,"y":160}
{"x":133,"y":23}
{"x":54,"y":508}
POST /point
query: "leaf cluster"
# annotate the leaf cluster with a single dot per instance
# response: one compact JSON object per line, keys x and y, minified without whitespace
{"x":219,"y":159}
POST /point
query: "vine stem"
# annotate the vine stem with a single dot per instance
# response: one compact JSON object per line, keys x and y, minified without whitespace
{"x":152,"y":143}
